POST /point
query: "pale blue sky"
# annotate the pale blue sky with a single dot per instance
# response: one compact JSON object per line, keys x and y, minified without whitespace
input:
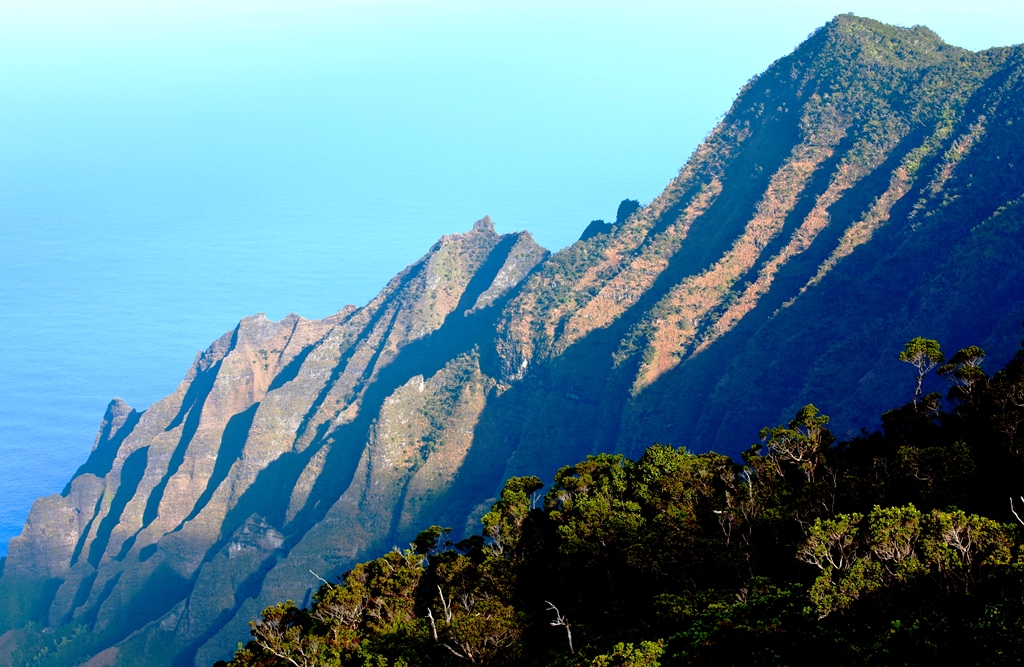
{"x":194,"y":83}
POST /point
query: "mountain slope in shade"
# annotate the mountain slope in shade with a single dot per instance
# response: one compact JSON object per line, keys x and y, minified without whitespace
{"x":863,"y":190}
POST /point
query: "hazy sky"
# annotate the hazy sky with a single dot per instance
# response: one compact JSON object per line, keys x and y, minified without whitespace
{"x":194,"y":83}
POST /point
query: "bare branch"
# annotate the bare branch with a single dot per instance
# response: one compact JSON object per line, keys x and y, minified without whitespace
{"x":268,"y":648}
{"x":433,"y":628}
{"x":327,"y":583}
{"x":447,"y":606}
{"x":456,"y":653}
{"x":561,"y":621}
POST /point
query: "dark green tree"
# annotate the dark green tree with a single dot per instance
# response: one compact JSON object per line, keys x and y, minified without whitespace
{"x":924,"y":355}
{"x":964,"y":372}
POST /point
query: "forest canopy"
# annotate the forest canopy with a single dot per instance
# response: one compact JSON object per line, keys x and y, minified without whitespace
{"x":901,"y":546}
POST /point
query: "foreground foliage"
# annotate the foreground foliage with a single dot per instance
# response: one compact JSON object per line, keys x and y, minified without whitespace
{"x":898,"y":547}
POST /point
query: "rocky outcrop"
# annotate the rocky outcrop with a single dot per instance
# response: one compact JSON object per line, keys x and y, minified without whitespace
{"x":863,"y":190}
{"x":290,"y":446}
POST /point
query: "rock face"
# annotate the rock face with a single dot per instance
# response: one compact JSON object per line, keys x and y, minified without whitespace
{"x":866,"y":189}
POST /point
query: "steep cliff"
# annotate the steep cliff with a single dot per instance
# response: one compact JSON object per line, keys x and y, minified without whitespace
{"x":863,"y":190}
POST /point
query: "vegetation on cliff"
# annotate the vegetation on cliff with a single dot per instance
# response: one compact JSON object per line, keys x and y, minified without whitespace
{"x":896,"y":547}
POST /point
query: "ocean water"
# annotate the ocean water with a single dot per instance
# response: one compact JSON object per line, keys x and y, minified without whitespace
{"x":168,"y":170}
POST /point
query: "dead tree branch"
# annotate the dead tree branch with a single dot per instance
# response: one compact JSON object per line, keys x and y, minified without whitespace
{"x":561,"y":621}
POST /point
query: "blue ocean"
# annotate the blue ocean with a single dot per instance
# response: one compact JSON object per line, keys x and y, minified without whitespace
{"x":167,"y":169}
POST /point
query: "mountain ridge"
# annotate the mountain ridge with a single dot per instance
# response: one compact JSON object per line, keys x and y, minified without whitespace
{"x":832,"y":214}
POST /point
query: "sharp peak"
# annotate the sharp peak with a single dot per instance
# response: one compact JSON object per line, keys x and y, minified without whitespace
{"x":118,"y":404}
{"x":849,"y":39}
{"x":851,"y":26}
{"x":484,"y":224}
{"x":262,"y":317}
{"x":482,"y":227}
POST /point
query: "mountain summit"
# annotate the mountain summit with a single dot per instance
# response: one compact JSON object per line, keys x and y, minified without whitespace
{"x":863,"y":190}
